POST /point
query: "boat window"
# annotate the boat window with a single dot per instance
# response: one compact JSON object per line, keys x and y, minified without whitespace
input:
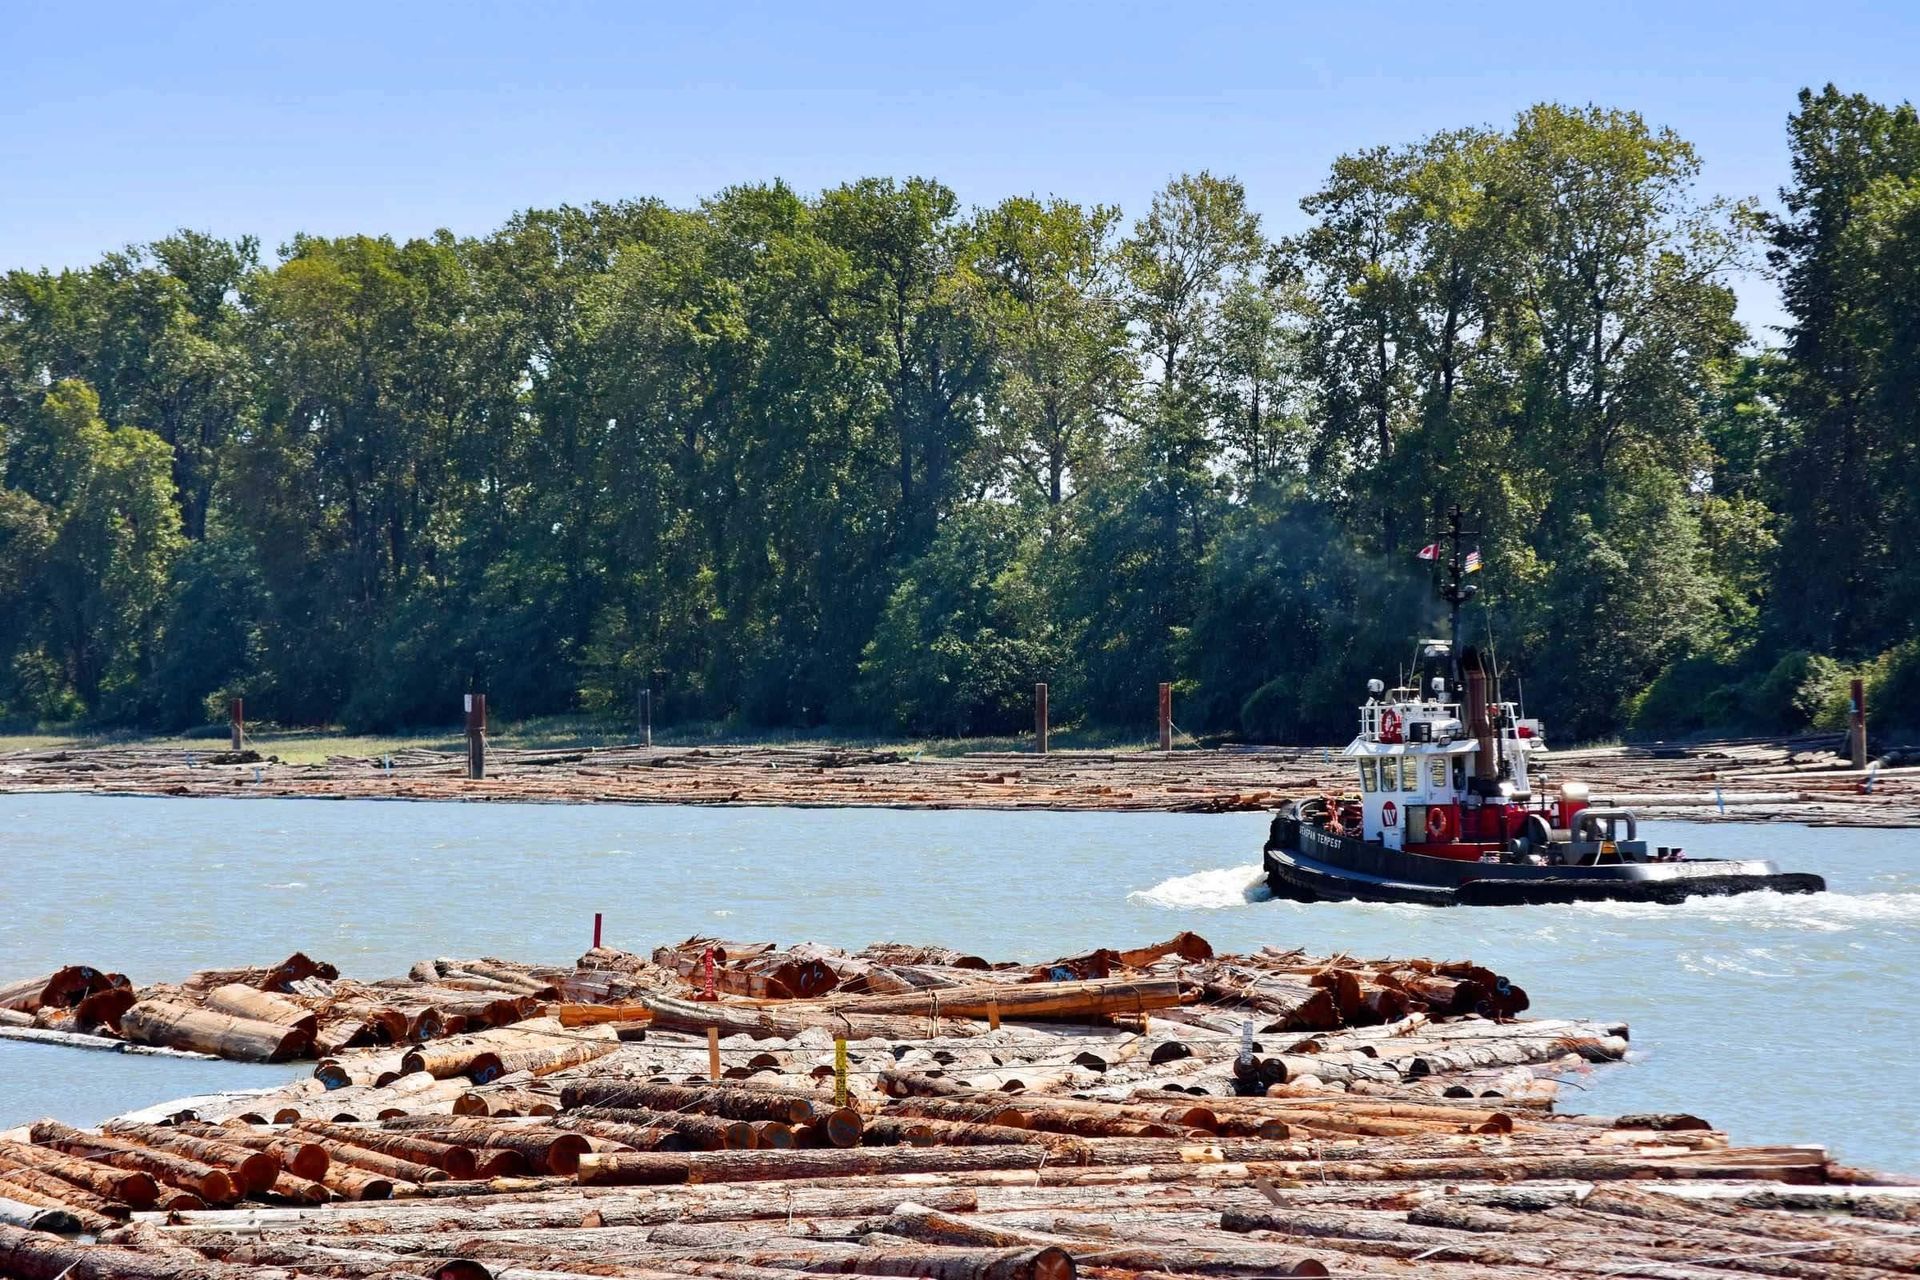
{"x":1389,"y":781}
{"x":1409,"y":773}
{"x":1459,"y":773}
{"x":1369,"y":779}
{"x":1439,"y":773}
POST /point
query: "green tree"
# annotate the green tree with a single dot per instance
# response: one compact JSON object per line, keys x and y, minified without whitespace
{"x":89,"y":512}
{"x":966,"y":632}
{"x":1045,"y":280}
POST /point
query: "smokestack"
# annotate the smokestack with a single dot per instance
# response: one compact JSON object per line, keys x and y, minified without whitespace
{"x":1485,"y":764}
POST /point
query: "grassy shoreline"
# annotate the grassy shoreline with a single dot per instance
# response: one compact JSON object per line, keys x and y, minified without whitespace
{"x":315,"y":745}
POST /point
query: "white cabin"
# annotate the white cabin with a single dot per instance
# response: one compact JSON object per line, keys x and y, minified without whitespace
{"x":1425,"y":776}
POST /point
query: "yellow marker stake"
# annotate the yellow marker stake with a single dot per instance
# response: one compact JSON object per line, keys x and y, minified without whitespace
{"x":839,"y":1072}
{"x":993,"y":1015}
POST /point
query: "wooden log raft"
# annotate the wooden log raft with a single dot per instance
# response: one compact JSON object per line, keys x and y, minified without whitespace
{"x":185,"y":1026}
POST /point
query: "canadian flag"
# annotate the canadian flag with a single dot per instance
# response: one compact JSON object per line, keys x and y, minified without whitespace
{"x":1430,"y":552}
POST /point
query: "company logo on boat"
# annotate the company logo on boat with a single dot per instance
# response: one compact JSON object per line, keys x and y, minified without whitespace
{"x":1389,"y":815}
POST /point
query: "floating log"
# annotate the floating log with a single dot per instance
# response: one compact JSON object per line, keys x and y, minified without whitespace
{"x":349,"y":1151}
{"x":452,"y":1161}
{"x":182,"y":1026}
{"x":251,"y":1170}
{"x":44,"y":1191}
{"x":126,"y":1186}
{"x":547,"y":1150}
{"x":702,"y":1132}
{"x":1090,"y":999}
{"x":657,"y":1168}
{"x":33,"y":1215}
{"x":262,"y":1006}
{"x":204,"y":1180}
{"x":587,"y":1015}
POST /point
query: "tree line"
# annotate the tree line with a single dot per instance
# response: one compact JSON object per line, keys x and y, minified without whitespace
{"x":871,"y":459}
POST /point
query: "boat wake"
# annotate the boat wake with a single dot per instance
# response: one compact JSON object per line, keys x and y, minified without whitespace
{"x":1207,"y":890}
{"x":1828,"y":912}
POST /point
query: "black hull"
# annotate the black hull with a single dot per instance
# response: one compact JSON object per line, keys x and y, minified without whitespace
{"x":1307,"y":864}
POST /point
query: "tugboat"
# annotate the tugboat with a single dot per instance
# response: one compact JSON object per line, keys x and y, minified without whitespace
{"x":1453,"y":808}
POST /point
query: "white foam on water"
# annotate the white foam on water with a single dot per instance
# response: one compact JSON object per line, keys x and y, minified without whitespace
{"x":1208,"y":890}
{"x":1810,"y":912}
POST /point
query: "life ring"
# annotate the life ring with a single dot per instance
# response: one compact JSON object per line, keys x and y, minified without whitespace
{"x":1389,"y":725}
{"x":1439,"y":823}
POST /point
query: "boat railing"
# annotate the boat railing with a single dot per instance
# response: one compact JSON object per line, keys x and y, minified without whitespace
{"x":1411,"y":711}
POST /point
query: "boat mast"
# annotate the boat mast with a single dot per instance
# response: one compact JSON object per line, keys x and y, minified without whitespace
{"x":1455,"y":593}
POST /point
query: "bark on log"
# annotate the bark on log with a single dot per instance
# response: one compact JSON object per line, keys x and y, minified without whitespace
{"x":734,"y":1104}
{"x":182,"y":1026}
{"x":965,"y":1112}
{"x":204,"y":1180}
{"x":547,"y":1150}
{"x":262,"y":1006}
{"x":251,"y":1170}
{"x":302,"y":1159}
{"x":29,"y":1214}
{"x":1095,"y":998}
{"x":291,"y":1186}
{"x":128,"y":1186}
{"x":496,"y":1101}
{"x":397,"y":1168}
{"x":639,"y":1136}
{"x":453,"y":1161}
{"x":64,"y":988}
{"x":350,"y":1182}
{"x":587,"y":1015}
{"x":34,"y":1255}
{"x":651,"y":1168}
{"x":43,"y":1191}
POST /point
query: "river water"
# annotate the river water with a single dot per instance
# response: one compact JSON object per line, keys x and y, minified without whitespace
{"x":1782,"y":1019}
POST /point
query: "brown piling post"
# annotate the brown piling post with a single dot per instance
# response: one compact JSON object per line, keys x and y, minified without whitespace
{"x":1857,"y":725}
{"x":476,"y":735}
{"x":713,"y":1054}
{"x":1040,"y":718}
{"x":596,"y":931}
{"x":237,"y":721}
{"x":1166,"y":716}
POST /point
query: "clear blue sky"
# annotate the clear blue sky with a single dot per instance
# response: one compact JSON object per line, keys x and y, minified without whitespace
{"x":120,"y":122}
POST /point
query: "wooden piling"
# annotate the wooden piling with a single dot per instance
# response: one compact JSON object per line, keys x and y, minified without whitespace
{"x":1040,"y":718}
{"x":1166,"y":716}
{"x":476,"y":735}
{"x":236,"y":722}
{"x":1857,"y":724}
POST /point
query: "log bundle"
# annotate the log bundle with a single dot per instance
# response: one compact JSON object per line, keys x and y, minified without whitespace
{"x":1160,"y":1110}
{"x":1805,"y":779}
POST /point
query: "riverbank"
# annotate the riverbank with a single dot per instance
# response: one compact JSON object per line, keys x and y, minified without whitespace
{"x":1796,"y":780}
{"x":1108,"y":1111}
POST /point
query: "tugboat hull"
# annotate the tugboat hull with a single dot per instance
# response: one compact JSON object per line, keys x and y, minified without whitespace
{"x":1309,"y":864}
